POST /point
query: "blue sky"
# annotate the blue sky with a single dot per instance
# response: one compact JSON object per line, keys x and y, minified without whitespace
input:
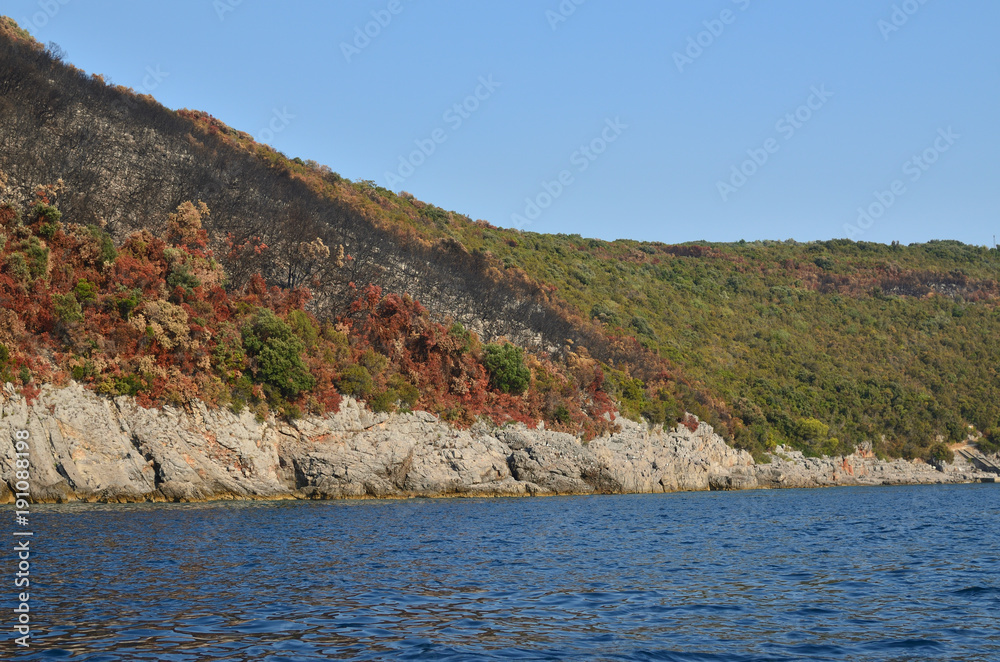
{"x":667,"y":121}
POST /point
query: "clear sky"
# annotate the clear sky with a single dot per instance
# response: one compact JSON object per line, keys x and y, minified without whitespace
{"x":668,"y":121}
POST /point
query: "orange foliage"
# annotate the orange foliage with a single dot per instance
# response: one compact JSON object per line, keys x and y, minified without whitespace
{"x":154,"y":323}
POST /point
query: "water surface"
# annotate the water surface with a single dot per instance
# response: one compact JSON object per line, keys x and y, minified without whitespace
{"x":907,"y":573}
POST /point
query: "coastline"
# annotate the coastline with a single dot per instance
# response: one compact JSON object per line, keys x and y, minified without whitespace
{"x":91,"y":449}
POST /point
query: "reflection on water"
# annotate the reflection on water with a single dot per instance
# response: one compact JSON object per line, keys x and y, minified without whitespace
{"x":865,"y":574}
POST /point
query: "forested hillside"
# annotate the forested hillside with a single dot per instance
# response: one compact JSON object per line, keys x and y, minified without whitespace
{"x":823,"y":345}
{"x":864,"y":339}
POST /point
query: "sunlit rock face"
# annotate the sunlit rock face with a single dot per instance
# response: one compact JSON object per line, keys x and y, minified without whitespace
{"x":85,"y":447}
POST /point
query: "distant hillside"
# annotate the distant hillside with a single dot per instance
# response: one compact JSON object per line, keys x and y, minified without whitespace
{"x":823,"y":345}
{"x":866,"y":339}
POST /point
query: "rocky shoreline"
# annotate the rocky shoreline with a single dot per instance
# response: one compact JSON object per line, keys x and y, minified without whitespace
{"x":88,"y":448}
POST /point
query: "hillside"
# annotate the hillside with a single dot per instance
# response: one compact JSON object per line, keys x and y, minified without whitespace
{"x":823,"y":346}
{"x":871,"y":340}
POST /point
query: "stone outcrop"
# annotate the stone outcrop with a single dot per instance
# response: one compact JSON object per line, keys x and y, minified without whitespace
{"x":85,"y":447}
{"x":790,"y":468}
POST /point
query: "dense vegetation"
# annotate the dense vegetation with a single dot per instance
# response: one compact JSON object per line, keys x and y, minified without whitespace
{"x":152,"y":318}
{"x":823,"y":345}
{"x":870,"y":340}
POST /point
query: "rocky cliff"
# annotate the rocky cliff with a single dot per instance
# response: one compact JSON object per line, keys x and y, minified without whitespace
{"x":85,"y":447}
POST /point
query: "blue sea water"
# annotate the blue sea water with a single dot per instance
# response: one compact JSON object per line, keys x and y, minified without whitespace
{"x":901,"y":573}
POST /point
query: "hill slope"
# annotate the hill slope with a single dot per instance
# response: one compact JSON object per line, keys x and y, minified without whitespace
{"x":822,"y":345}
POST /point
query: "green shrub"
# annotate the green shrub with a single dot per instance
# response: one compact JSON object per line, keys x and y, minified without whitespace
{"x":641,"y":326}
{"x":583,"y":274}
{"x":755,"y":440}
{"x":662,"y":410}
{"x":107,"y":245}
{"x":182,"y":277}
{"x":824,"y":263}
{"x":38,"y":259}
{"x":276,"y":354}
{"x":123,"y":385}
{"x":407,"y":393}
{"x":303,"y":327}
{"x":240,"y":392}
{"x":505,"y":365}
{"x":48,"y":230}
{"x":990,"y":442}
{"x":355,"y":380}
{"x":229,"y":357}
{"x":67,"y":308}
{"x":85,"y":291}
{"x":632,"y":389}
{"x":17,"y":267}
{"x":336,"y":337}
{"x":399,"y":392}
{"x":46,"y":213}
{"x":375,"y":363}
{"x":810,"y":429}
{"x":940,"y":453}
{"x":830,"y":447}
{"x":29,"y":260}
{"x":84,"y":372}
{"x":384,"y":401}
{"x":463,"y":335}
{"x":128,"y":302}
{"x":561,"y":415}
{"x":956,"y":429}
{"x":604,"y":312}
{"x":237,"y":405}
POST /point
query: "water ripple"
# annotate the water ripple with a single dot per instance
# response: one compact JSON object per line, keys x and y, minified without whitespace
{"x":843,"y":574}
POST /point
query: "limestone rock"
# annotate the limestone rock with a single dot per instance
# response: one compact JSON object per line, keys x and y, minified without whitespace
{"x":85,"y":447}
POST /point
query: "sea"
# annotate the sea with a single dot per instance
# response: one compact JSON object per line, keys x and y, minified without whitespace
{"x":880,"y":573}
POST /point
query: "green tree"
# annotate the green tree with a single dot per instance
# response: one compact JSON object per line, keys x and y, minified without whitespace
{"x":990,"y":442}
{"x":355,"y":380}
{"x":46,"y":213}
{"x":182,"y":277}
{"x":303,"y":327}
{"x":85,"y":291}
{"x":276,"y":355}
{"x":463,"y":335}
{"x":811,"y":429}
{"x":67,"y":308}
{"x":505,"y":365}
{"x":104,"y":242}
{"x":940,"y":453}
